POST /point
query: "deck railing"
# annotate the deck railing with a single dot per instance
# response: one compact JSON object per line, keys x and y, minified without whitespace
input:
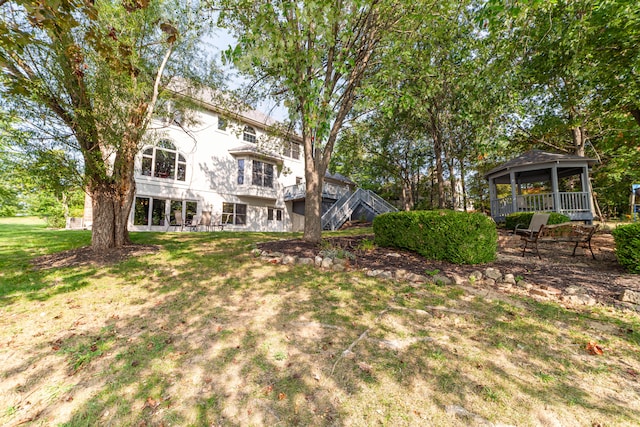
{"x":330,"y":191}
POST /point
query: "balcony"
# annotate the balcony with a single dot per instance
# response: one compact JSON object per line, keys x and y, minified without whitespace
{"x":329,"y":191}
{"x":256,"y":192}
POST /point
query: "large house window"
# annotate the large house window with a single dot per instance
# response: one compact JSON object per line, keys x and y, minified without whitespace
{"x":161,"y":212}
{"x":249,"y":134}
{"x":234,"y":213}
{"x":164,"y":161}
{"x":240,"y":171}
{"x":292,"y":149}
{"x":262,"y":174}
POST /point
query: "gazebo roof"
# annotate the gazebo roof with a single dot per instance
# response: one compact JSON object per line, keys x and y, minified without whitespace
{"x":537,"y":159}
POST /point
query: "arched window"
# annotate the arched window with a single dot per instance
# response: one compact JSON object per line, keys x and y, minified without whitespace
{"x":249,"y":134}
{"x":164,"y":161}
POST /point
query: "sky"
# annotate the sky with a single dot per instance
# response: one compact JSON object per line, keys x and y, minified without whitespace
{"x":220,"y":41}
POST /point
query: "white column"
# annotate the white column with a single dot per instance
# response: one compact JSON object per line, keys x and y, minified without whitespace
{"x":514,"y":186}
{"x":555,"y":188}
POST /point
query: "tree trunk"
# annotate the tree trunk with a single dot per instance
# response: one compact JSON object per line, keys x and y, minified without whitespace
{"x":313,"y":207}
{"x":578,"y":135}
{"x":452,"y":182}
{"x":437,"y":149}
{"x":464,"y":185}
{"x":111,"y":205}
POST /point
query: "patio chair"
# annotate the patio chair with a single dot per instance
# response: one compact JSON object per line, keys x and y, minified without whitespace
{"x":179,"y":219}
{"x":537,"y":221}
{"x":205,"y":220}
{"x":194,"y":223}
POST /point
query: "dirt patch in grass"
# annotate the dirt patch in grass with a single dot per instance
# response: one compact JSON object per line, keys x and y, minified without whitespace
{"x":89,"y":256}
{"x":603,"y":277}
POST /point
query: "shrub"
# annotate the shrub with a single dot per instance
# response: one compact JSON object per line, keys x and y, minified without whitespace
{"x":457,"y":237}
{"x":524,"y":218}
{"x":627,"y":238}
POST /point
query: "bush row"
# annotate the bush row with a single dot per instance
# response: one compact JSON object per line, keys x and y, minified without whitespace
{"x":627,"y":238}
{"x":524,"y":218}
{"x":457,"y":237}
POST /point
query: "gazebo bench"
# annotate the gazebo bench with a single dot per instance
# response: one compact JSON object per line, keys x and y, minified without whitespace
{"x":565,"y":232}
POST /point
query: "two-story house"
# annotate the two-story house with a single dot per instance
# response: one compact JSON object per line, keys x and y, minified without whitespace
{"x":230,"y":167}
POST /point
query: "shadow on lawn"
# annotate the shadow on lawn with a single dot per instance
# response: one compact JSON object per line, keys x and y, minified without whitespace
{"x":226,"y":339}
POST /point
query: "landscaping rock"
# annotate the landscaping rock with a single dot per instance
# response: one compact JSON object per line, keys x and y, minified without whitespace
{"x":340,"y":261}
{"x":524,"y":284}
{"x":338,"y":267}
{"x":373,"y":273}
{"x":256,"y":252}
{"x":289,"y":259}
{"x":457,"y":279}
{"x":327,"y":263}
{"x":386,"y":275}
{"x":579,"y":299}
{"x":630,"y":296}
{"x":276,"y":255}
{"x":489,"y":282}
{"x":416,"y":278}
{"x":318,"y":261}
{"x":493,"y":273}
{"x":476,"y":275}
{"x":509,"y":278}
{"x":441,"y":279}
{"x":305,"y":261}
{"x":401,"y":274}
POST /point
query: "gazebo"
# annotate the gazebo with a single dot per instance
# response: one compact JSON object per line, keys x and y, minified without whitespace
{"x":538,"y":181}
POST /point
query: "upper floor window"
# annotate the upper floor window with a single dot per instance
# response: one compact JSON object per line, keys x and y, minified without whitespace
{"x":222,"y":123}
{"x":164,"y":161}
{"x":240,"y":171}
{"x":249,"y":134}
{"x":262,"y":174}
{"x":292,"y":149}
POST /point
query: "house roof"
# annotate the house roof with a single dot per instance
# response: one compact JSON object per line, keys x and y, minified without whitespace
{"x":338,"y":177}
{"x":538,"y":158}
{"x":228,"y":105}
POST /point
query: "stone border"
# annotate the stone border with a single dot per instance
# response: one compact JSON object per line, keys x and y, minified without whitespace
{"x":492,"y":277}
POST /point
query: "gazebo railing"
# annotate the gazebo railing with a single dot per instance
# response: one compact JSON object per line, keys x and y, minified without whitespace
{"x":570,"y":203}
{"x":574,"y":202}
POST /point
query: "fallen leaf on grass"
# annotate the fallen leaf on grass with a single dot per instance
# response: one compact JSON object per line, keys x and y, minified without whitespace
{"x":281,"y":396}
{"x":365,"y":366}
{"x":594,"y":349}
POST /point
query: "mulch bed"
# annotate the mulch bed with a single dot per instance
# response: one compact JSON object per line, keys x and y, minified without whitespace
{"x":87,"y":256}
{"x":603,"y":278}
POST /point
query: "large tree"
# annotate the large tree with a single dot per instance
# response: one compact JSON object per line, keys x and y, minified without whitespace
{"x":88,"y":75}
{"x":316,"y":55}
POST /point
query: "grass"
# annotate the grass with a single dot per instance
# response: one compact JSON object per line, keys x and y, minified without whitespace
{"x":202,"y":333}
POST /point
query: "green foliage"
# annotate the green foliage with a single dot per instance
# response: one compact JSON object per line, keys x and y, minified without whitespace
{"x":457,"y":237}
{"x":627,"y":238}
{"x":524,"y":218}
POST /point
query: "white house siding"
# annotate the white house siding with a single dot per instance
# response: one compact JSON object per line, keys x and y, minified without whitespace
{"x":211,"y":177}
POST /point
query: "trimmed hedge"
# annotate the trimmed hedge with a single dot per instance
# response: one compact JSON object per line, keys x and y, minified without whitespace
{"x":627,"y":238}
{"x":524,"y":218}
{"x":457,"y":237}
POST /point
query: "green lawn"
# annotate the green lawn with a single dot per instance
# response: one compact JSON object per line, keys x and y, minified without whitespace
{"x":201,"y":333}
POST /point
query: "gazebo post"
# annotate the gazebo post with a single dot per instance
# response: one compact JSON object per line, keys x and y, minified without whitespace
{"x":555,"y":188}
{"x":492,"y":194}
{"x":514,"y":200}
{"x":586,"y":188}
